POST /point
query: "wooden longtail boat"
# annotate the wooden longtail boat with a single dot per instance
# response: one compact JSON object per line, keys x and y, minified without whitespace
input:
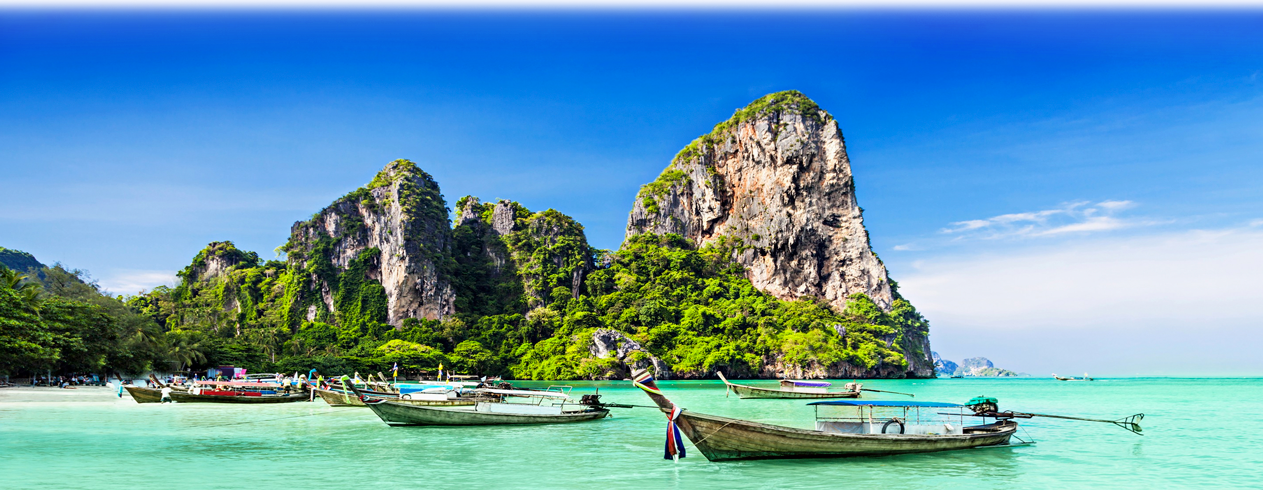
{"x":1072,"y":378}
{"x":340,"y":398}
{"x":237,"y":397}
{"x":144,"y":395}
{"x":727,"y":439}
{"x":397,"y":413}
{"x":793,"y":389}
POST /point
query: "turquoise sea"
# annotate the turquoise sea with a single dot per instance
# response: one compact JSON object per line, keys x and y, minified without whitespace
{"x":1198,"y":433}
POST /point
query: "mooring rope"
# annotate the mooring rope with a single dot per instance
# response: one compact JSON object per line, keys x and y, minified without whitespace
{"x":699,"y":441}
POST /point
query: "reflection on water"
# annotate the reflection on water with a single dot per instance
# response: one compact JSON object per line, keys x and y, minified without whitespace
{"x":47,"y":435}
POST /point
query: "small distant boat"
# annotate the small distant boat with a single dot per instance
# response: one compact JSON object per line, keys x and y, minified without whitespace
{"x":860,"y":428}
{"x":1084,"y":378}
{"x":541,"y":407}
{"x":798,"y":389}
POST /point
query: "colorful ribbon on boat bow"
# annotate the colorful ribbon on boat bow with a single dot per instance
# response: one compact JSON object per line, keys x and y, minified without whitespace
{"x":675,"y":443}
{"x":645,"y":382}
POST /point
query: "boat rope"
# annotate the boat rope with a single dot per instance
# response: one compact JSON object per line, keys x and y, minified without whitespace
{"x":699,"y":441}
{"x":1028,"y":435}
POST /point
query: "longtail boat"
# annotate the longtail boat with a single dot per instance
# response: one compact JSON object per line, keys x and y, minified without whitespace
{"x":343,"y":398}
{"x":238,"y":392}
{"x":548,"y":407}
{"x":863,"y":428}
{"x":799,"y":389}
{"x":1072,"y":378}
{"x":143,"y":394}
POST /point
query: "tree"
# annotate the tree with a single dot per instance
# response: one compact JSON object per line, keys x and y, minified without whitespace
{"x":185,"y":348}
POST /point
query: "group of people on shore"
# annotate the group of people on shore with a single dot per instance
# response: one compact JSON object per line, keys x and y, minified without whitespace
{"x":67,"y":382}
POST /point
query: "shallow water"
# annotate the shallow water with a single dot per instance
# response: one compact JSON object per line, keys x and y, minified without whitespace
{"x":1198,"y":433}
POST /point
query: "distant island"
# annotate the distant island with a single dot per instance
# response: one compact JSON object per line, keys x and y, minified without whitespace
{"x":748,"y":254}
{"x":973,"y":366}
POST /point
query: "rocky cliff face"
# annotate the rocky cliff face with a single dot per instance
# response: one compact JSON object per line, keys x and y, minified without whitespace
{"x":944,"y":367}
{"x":974,"y":366}
{"x":612,"y":344}
{"x":395,"y":231}
{"x":216,"y":260}
{"x":775,"y":177}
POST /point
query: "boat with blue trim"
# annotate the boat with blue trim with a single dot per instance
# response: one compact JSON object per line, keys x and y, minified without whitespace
{"x":843,"y":428}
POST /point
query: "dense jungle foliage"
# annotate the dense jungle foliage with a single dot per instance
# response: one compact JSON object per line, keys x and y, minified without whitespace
{"x":57,"y":319}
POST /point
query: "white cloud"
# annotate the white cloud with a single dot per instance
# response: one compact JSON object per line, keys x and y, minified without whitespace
{"x":1115,"y":205}
{"x":1074,"y":217}
{"x":132,"y":281}
{"x":1092,"y":223}
{"x":1123,"y":304}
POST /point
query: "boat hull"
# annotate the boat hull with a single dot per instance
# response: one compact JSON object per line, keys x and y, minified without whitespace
{"x":744,"y":391}
{"x":726,"y":439}
{"x":396,"y":413}
{"x":144,"y":395}
{"x":184,"y":397}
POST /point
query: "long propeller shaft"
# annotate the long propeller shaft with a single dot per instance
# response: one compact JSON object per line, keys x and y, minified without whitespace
{"x":1130,"y":423}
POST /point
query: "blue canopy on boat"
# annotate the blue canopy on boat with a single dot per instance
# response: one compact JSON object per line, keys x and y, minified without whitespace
{"x":878,"y":403}
{"x":815,"y":384}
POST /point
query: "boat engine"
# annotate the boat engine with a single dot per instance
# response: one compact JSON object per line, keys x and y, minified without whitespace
{"x":590,"y":400}
{"x":983,"y":404}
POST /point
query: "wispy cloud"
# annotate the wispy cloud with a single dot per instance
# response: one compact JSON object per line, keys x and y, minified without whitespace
{"x":1074,"y":217}
{"x":132,"y":281}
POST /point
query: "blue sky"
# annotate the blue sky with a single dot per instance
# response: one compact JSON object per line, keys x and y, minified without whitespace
{"x":1032,"y":178}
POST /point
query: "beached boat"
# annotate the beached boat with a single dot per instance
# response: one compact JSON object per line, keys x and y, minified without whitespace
{"x":849,"y":428}
{"x":239,"y":392}
{"x":539,"y":407}
{"x":143,"y":394}
{"x":799,"y":389}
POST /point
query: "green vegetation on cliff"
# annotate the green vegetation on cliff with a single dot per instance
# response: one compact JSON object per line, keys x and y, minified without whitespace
{"x":787,"y":102}
{"x":527,"y":294}
{"x":694,"y":309}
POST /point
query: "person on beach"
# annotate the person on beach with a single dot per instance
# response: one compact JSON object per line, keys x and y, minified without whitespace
{"x":166,"y":395}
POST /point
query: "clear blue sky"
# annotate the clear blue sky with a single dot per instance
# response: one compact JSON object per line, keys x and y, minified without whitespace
{"x":1032,"y":178}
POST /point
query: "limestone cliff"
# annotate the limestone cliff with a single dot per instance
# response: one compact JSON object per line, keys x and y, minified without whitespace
{"x":216,"y":260}
{"x":776,"y":177}
{"x":396,"y":230}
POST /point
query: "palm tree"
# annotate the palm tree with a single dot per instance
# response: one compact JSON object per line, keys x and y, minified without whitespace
{"x":186,"y":351}
{"x":16,"y":281}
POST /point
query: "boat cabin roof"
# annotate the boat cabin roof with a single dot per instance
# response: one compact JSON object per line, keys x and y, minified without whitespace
{"x":879,"y":403}
{"x":799,"y":382}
